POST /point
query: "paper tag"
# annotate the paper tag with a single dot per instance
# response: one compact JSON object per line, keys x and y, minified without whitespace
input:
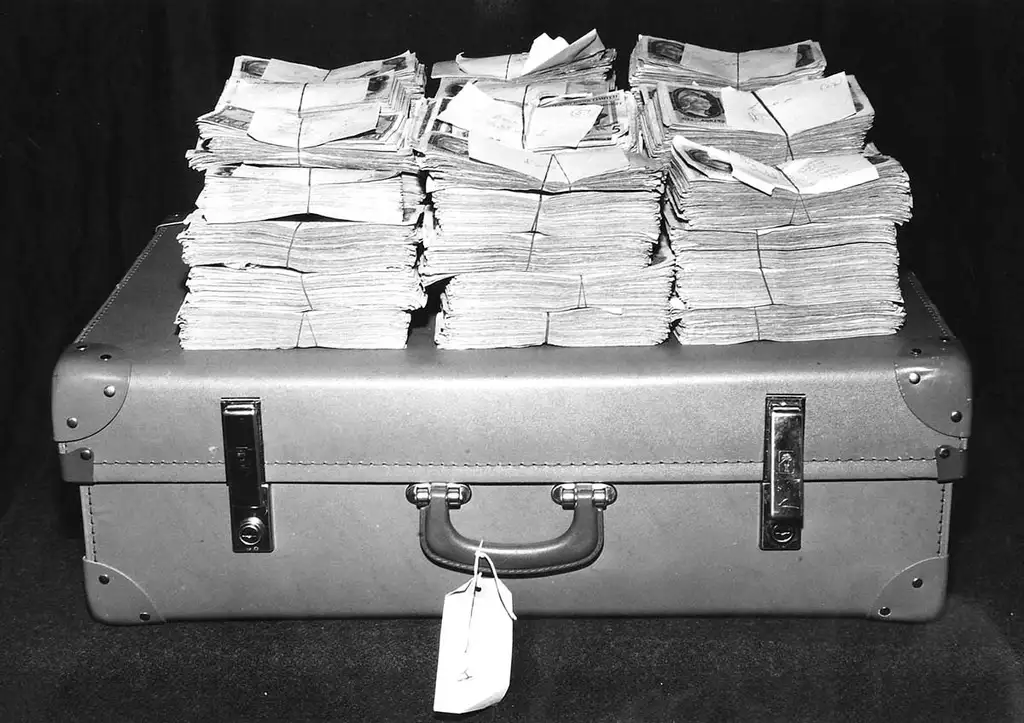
{"x":505,"y":67}
{"x":281,"y":71}
{"x":537,"y":165}
{"x":743,"y":111}
{"x":717,"y":63}
{"x":544,"y":47}
{"x":474,"y":659}
{"x":809,"y":103}
{"x":769,"y":62}
{"x":759,"y":175}
{"x":825,"y":174}
{"x":476,"y":112}
{"x":560,"y":126}
{"x":577,"y":165}
{"x":587,"y":45}
{"x":297,"y":96}
{"x":283,"y":128}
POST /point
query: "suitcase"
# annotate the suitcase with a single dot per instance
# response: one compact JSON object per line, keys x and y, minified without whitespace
{"x":810,"y":479}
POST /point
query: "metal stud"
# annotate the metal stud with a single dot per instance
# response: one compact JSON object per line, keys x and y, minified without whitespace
{"x":82,"y":347}
{"x":915,"y":352}
{"x":86,"y":454}
{"x":956,"y":416}
{"x":914,"y":377}
{"x":944,"y":451}
{"x":917,"y":582}
{"x":72,"y":422}
{"x":144,"y":617}
{"x":884,"y":612}
{"x":109,"y":390}
{"x":104,"y":579}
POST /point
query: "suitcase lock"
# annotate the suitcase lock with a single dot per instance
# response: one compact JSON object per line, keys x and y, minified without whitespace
{"x":248,"y":491}
{"x":782,"y":484}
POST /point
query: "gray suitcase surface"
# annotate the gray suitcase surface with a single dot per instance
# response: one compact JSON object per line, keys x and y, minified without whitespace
{"x":678,"y":432}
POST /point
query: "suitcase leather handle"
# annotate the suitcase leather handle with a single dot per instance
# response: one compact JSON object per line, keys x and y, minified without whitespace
{"x":575,"y":548}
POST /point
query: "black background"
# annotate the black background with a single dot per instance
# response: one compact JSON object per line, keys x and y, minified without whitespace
{"x":99,"y":101}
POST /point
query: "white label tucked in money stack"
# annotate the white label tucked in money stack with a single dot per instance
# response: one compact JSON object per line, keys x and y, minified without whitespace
{"x":546,"y":218}
{"x":307,"y":229}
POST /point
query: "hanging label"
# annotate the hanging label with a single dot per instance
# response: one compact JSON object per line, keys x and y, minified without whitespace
{"x":474,"y":661}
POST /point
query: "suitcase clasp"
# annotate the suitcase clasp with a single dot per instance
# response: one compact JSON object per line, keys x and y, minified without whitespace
{"x":782,"y":484}
{"x":248,"y":491}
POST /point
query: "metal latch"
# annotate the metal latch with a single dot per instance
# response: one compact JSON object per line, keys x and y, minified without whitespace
{"x":782,"y":483}
{"x":248,"y":492}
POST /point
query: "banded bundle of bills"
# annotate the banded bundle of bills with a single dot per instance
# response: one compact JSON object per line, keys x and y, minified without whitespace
{"x":712,"y":189}
{"x":659,"y":59}
{"x":278,"y":308}
{"x":788,"y":323}
{"x":478,"y":229}
{"x":548,"y":59}
{"x":317,"y":245}
{"x":306,"y":231}
{"x":233,"y":194}
{"x":804,"y":118}
{"x":272,"y":112}
{"x":748,"y":264}
{"x":517,"y":308}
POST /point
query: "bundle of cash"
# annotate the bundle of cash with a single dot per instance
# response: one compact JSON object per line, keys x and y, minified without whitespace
{"x":549,"y":59}
{"x":272,"y":112}
{"x":804,"y":118}
{"x":659,"y":59}
{"x":757,"y":245}
{"x":518,"y":308}
{"x":279,"y":308}
{"x":254,"y":193}
{"x":316,"y":245}
{"x":306,"y":231}
{"x":477,"y":229}
{"x":712,"y":189}
{"x":788,"y":323}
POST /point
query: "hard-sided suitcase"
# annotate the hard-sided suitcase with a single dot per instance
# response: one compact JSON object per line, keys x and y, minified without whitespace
{"x":762,"y":478}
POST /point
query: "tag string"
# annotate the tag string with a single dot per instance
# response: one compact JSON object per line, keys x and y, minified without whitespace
{"x":760,"y":267}
{"x":757,"y":324}
{"x":291,"y":243}
{"x":309,"y":188}
{"x":800,"y":198}
{"x":789,"y":145}
{"x":298,"y":136}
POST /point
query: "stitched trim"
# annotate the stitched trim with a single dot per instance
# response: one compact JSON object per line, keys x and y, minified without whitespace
{"x":634,"y":463}
{"x":92,"y":523}
{"x":117,"y":289}
{"x":932,"y":311}
{"x":942,"y":516}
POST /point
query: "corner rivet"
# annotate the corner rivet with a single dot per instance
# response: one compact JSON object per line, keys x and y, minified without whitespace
{"x":109,"y":391}
{"x":944,"y":451}
{"x":144,"y":617}
{"x":72,"y":422}
{"x":915,"y":352}
{"x":82,"y":347}
{"x":104,"y":579}
{"x":884,"y":612}
{"x":956,"y":416}
{"x":85,"y":454}
{"x":917,"y":582}
{"x":914,"y":377}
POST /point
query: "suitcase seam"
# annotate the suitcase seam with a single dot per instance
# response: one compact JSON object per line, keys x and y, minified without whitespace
{"x":117,"y":289}
{"x":633,"y":463}
{"x":930,"y":307}
{"x":92,"y":524}
{"x":942,"y":517}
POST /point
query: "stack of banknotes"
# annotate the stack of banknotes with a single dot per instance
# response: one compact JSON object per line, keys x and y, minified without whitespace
{"x":546,"y":217}
{"x":306,"y":231}
{"x":656,"y":60}
{"x":803,"y":250}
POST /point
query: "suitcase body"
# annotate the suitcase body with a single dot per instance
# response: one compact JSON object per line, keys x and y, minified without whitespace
{"x":763,"y":478}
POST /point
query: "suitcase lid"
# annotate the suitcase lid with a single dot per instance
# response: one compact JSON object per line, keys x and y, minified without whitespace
{"x":130,"y":405}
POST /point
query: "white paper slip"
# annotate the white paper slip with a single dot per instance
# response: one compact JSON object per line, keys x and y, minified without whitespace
{"x":283,"y":128}
{"x":824,"y":174}
{"x":281,"y":71}
{"x":505,"y":67}
{"x":543,"y":48}
{"x":298,"y":96}
{"x":476,"y":112}
{"x":560,"y":126}
{"x":716,"y":63}
{"x":809,"y":103}
{"x":587,"y":45}
{"x":586,"y":163}
{"x":761,"y":176}
{"x":474,"y":660}
{"x":743,"y":111}
{"x":537,"y":165}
